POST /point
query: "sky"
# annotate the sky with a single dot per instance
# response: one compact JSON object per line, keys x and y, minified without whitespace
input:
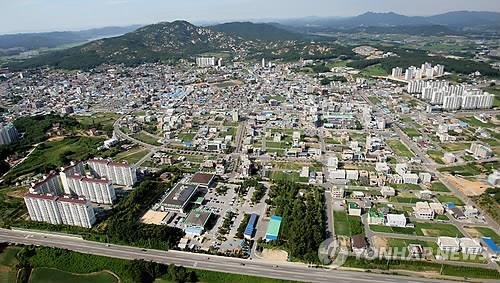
{"x":58,"y":15}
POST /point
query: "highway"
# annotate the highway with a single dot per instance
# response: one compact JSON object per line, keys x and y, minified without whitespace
{"x":288,"y":271}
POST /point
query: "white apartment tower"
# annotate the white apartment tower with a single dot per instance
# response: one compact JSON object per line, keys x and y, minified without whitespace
{"x":120,"y":173}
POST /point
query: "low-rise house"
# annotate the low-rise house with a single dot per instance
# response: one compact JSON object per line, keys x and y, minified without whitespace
{"x":437,"y":207}
{"x":448,"y":244}
{"x":375,"y":217}
{"x":395,"y":220}
{"x":387,"y":191}
{"x":354,"y":209}
{"x":422,"y":210}
{"x":470,"y":246}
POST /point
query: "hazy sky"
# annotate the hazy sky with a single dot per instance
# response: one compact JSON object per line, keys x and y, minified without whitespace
{"x":50,"y":15}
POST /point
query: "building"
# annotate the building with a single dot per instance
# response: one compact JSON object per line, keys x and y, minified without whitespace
{"x":448,"y":244}
{"x":205,"y":61}
{"x":178,"y":197}
{"x":395,"y":220}
{"x":387,"y":191}
{"x":437,"y":207}
{"x":337,"y":192}
{"x":354,"y":209}
{"x":75,"y":168}
{"x":119,"y":173}
{"x":203,"y":180}
{"x":375,"y":217}
{"x":457,"y":213}
{"x":250,"y":228}
{"x":196,"y":221}
{"x":422,"y":210}
{"x":96,"y":190}
{"x":60,"y":210}
{"x":470,"y":211}
{"x":470,"y":246}
{"x":51,"y":184}
{"x":492,"y":248}
{"x":273,"y":228}
{"x":479,"y":150}
{"x":494,"y":178}
{"x":8,"y":134}
{"x":425,"y":177}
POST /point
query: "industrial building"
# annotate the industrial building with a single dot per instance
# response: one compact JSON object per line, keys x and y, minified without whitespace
{"x":250,"y":228}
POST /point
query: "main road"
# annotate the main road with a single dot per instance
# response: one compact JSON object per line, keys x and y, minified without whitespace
{"x":288,"y":271}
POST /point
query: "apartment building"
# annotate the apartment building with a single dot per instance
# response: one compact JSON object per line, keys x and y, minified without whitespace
{"x":120,"y":173}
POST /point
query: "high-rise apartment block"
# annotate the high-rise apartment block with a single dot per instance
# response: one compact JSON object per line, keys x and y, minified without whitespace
{"x":120,"y":173}
{"x":8,"y":134}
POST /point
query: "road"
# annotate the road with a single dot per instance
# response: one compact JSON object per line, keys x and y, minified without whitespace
{"x":288,"y":271}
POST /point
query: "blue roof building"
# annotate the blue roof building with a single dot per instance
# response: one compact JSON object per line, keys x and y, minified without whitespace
{"x":491,"y":245}
{"x":250,"y":229}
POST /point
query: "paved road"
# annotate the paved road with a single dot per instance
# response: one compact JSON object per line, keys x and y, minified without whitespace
{"x":289,"y":271}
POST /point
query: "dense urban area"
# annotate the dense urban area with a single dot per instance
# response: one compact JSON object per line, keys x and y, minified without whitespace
{"x":240,"y":157}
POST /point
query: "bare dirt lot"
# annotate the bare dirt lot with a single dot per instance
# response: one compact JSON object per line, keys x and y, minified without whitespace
{"x":467,"y":187}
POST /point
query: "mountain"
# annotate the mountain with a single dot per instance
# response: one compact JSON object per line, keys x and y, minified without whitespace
{"x":260,"y":31}
{"x":158,"y":42}
{"x":13,"y":44}
{"x":459,"y":20}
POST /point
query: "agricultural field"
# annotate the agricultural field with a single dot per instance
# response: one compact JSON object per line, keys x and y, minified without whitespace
{"x":456,"y":146}
{"x":346,"y":225}
{"x":143,"y":137}
{"x":436,"y":155}
{"x":463,"y":170}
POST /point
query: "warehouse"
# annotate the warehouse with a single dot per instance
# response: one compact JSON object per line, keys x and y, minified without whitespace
{"x":250,"y":229}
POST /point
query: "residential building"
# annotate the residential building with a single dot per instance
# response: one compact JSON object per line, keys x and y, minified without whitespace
{"x":8,"y":134}
{"x":422,"y":210}
{"x":354,"y":209}
{"x":395,"y":220}
{"x":96,"y":190}
{"x":479,"y":150}
{"x":448,"y":244}
{"x":470,"y":246}
{"x":375,"y":217}
{"x":120,"y":173}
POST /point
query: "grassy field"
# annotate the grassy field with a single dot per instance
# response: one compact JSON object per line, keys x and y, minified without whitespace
{"x":399,"y":199}
{"x":456,"y":146}
{"x":487,"y":232}
{"x":346,"y":225}
{"x":216,"y":277}
{"x":143,"y":137}
{"x":374,"y":70}
{"x":403,"y":243}
{"x":445,"y":199}
{"x":400,"y":149}
{"x":395,"y":230}
{"x":105,"y":119}
{"x":436,"y":230}
{"x":131,"y":156}
{"x":411,"y":132}
{"x":374,"y":99}
{"x":436,"y":155}
{"x":476,"y":123}
{"x":463,"y":170}
{"x":50,"y":275}
{"x":439,"y":187}
{"x":8,"y":263}
{"x":54,"y":154}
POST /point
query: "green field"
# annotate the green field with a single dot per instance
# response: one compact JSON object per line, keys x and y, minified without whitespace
{"x":463,"y":170}
{"x":131,"y":156}
{"x":346,"y":225}
{"x":50,"y":275}
{"x":374,"y":70}
{"x":436,"y":155}
{"x":399,"y":199}
{"x":445,"y":199}
{"x":206,"y":276}
{"x":476,"y":123}
{"x":143,"y":137}
{"x":395,"y":230}
{"x":456,"y":146}
{"x":436,"y":230}
{"x":439,"y":187}
{"x":411,"y":132}
{"x":54,"y":154}
{"x":403,"y":243}
{"x":374,"y":99}
{"x":8,"y":263}
{"x":105,"y":119}
{"x":487,"y":232}
{"x":400,"y":149}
